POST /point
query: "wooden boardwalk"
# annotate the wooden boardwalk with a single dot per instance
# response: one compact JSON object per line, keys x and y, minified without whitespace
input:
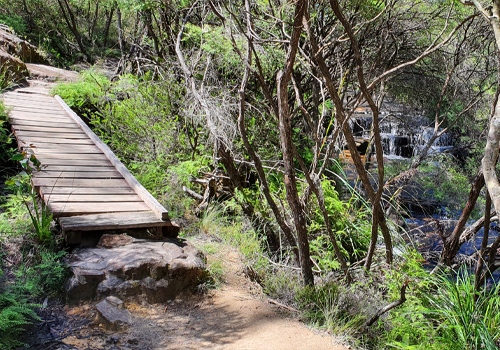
{"x":84,"y":184}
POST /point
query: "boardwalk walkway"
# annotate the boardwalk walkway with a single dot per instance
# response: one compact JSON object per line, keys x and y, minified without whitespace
{"x":85,"y":185}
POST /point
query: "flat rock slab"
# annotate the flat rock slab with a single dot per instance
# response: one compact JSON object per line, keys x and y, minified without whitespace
{"x":134,"y":269}
{"x":112,"y":314}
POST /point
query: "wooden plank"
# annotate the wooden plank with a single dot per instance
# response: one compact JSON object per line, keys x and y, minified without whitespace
{"x":46,"y":192}
{"x":38,"y":116}
{"x":48,"y":145}
{"x":84,"y":156}
{"x":74,"y":198}
{"x":112,"y":221}
{"x":26,"y":97}
{"x":79,"y":162}
{"x":78,"y":175}
{"x":79,"y":168}
{"x":36,"y":109}
{"x":31,"y":103}
{"x":43,"y":157}
{"x":45,"y":121}
{"x":21,"y":122}
{"x":44,"y":148}
{"x":18,"y":123}
{"x":47,"y":129}
{"x":28,"y":134}
{"x":53,"y":140}
{"x":72,"y":209}
{"x":155,"y":206}
{"x":77,"y":183}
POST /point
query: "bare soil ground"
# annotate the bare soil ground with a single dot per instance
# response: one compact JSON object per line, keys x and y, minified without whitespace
{"x":234,"y":317}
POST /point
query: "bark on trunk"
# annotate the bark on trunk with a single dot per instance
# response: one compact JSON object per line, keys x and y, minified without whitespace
{"x":452,"y":243}
{"x":287,"y":147}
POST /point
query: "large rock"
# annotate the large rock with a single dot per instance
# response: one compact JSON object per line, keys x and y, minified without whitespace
{"x":15,"y":46}
{"x":12,"y":68}
{"x":134,"y":269}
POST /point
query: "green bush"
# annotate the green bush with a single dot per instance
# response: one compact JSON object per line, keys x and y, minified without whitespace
{"x":333,"y":306}
{"x":15,"y":22}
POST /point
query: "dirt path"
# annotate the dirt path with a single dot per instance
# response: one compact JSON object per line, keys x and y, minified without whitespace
{"x":234,"y":317}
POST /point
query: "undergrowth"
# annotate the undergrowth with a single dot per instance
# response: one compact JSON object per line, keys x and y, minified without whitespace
{"x":30,"y":265}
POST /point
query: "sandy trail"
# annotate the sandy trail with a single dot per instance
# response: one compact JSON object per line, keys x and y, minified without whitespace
{"x":235,"y":317}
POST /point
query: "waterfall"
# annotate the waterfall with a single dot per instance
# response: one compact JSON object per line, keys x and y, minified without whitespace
{"x":401,"y":139}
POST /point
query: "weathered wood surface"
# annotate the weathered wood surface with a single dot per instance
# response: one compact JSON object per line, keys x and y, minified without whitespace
{"x":111,"y":221}
{"x":60,"y":209}
{"x":50,"y":191}
{"x":85,"y":198}
{"x":81,"y":180}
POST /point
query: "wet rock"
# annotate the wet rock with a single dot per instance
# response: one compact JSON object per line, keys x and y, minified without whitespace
{"x":145,"y":270}
{"x":113,"y":316}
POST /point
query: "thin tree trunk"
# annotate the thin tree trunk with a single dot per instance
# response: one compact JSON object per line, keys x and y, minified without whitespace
{"x":69,"y":17}
{"x":351,"y":143}
{"x":287,"y":147}
{"x":121,"y":65}
{"x":484,"y":245}
{"x":108,"y":25}
{"x":451,"y":244}
{"x":94,"y":23}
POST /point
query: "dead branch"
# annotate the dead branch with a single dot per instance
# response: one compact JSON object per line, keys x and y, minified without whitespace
{"x":391,"y":306}
{"x":192,"y":194}
{"x":272,"y":301}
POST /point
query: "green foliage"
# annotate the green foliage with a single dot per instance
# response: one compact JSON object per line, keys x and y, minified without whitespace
{"x":409,"y":326}
{"x":15,"y":22}
{"x":15,"y":312}
{"x":83,"y":95}
{"x":45,"y":277}
{"x":6,"y":144}
{"x":42,"y":275}
{"x":348,"y":223}
{"x":445,"y":182}
{"x":330,"y":306}
{"x":281,"y":283}
{"x":37,"y":210}
{"x":466,"y":323}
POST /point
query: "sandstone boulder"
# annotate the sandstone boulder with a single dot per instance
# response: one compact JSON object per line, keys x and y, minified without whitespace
{"x":134,"y":269}
{"x":12,"y":68}
{"x":15,"y":46}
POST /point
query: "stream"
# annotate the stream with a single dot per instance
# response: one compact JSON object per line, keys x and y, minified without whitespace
{"x":404,"y":132}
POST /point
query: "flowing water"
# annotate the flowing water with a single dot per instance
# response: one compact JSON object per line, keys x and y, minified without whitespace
{"x":405,"y":131}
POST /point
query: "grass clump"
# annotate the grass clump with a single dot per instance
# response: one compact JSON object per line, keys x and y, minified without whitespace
{"x":466,"y":323}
